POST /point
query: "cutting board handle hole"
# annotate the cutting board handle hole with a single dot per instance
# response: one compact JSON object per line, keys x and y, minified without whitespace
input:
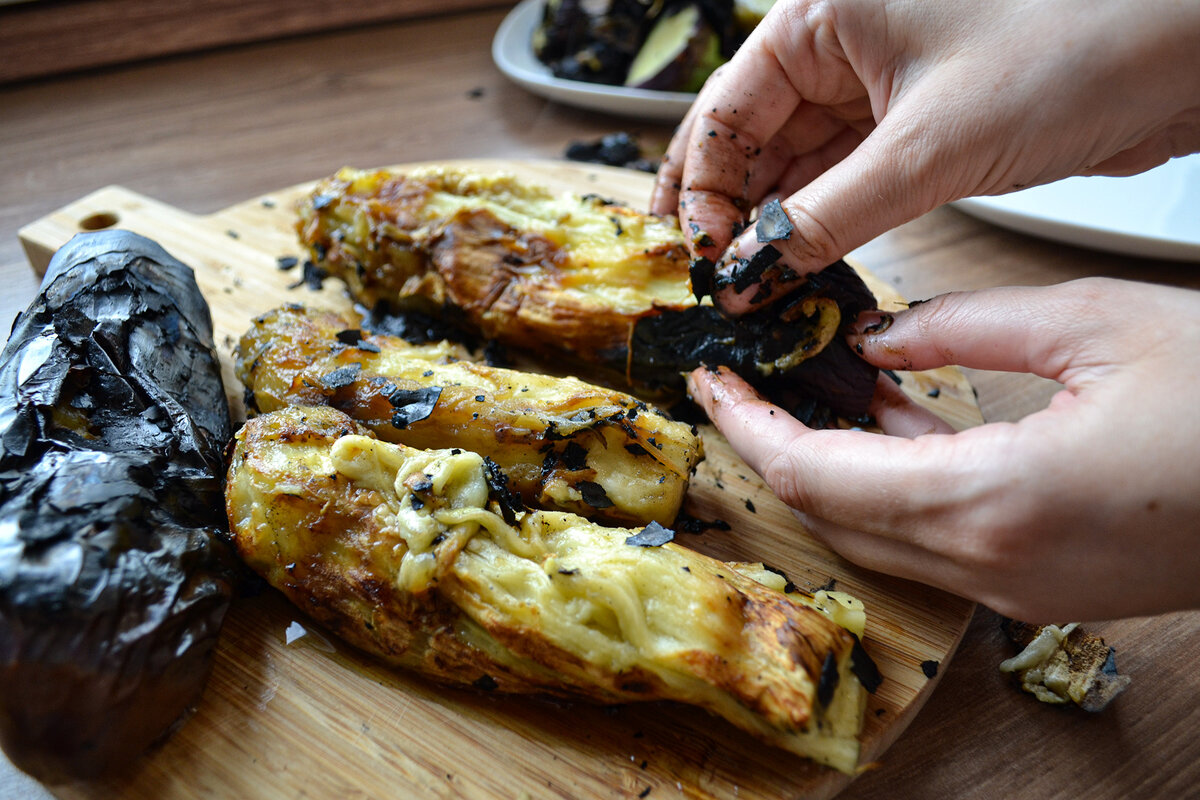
{"x":99,"y":221}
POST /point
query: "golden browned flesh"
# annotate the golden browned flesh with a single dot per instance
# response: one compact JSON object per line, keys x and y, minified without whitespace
{"x":565,"y":444}
{"x":405,"y":554}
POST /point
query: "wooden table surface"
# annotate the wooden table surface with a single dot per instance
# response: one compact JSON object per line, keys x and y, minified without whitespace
{"x":204,"y":131}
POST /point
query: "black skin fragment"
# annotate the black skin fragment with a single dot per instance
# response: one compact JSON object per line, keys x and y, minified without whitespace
{"x":485,"y":683}
{"x":653,"y":535}
{"x":502,"y":492}
{"x":930,"y":668}
{"x":773,"y":224}
{"x":415,"y":326}
{"x":354,"y":338}
{"x":618,"y":149}
{"x":828,"y":681}
{"x":690,"y":524}
{"x":574,"y":457}
{"x":864,"y":668}
{"x":702,"y":273}
{"x":286,"y":263}
{"x":311,"y":276}
{"x":594,"y":494}
{"x":413,"y":405}
{"x":341,"y":377}
{"x":750,"y":506}
{"x":115,"y":572}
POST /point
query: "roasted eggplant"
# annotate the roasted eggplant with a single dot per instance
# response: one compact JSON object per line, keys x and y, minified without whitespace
{"x":113,"y":572}
{"x":565,"y":444}
{"x":580,"y":278}
{"x":420,"y":557}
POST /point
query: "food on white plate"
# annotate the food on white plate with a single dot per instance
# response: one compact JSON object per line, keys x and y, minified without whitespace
{"x":646,"y":44}
{"x":113,"y":570}
{"x":681,"y":50}
{"x":565,"y":444}
{"x":423,"y":558}
{"x":576,"y":279}
{"x":1063,"y":665}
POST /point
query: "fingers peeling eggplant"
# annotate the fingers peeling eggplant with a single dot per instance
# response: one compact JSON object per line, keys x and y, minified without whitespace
{"x":580,"y":279}
{"x":112,"y":581}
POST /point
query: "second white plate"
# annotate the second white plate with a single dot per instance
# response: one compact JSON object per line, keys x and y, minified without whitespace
{"x":1153,"y":215}
{"x":512,"y":50}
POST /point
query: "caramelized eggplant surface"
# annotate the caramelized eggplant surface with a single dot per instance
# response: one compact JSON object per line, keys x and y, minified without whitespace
{"x":420,"y":557}
{"x":581,"y":280}
{"x":112,"y":579}
{"x":566,"y":445}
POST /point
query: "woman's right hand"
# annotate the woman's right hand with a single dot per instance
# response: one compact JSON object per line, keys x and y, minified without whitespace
{"x":863,"y":114}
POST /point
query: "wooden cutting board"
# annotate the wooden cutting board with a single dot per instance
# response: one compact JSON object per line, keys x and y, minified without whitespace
{"x":290,"y":712}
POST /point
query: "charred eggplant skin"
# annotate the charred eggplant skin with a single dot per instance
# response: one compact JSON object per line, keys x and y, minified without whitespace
{"x":113,"y":571}
{"x":582,"y":280}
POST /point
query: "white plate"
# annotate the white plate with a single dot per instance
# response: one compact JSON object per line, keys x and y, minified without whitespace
{"x":512,"y":50}
{"x":1154,"y":215}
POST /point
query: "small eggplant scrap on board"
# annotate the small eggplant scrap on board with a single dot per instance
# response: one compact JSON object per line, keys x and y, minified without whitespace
{"x":565,"y":444}
{"x":114,"y":570}
{"x":422,"y":558}
{"x":580,"y":280}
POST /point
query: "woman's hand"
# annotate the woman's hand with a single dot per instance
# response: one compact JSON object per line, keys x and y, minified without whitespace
{"x":1089,"y":509}
{"x":864,"y":114}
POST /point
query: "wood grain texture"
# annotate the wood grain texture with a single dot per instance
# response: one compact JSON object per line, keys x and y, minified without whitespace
{"x":46,"y":38}
{"x":363,"y":729}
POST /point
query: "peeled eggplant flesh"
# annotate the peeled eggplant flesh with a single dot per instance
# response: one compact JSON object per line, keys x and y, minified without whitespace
{"x":113,"y":582}
{"x":679,"y":54}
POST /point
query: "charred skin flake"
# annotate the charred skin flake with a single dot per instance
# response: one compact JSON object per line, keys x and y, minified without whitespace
{"x":413,"y":405}
{"x":341,"y":377}
{"x":286,"y":263}
{"x":594,"y":494}
{"x":690,"y":524}
{"x":485,"y":683}
{"x":653,"y":535}
{"x":930,"y":668}
{"x":702,"y":272}
{"x":864,"y":667}
{"x":828,"y":681}
{"x":773,"y":224}
{"x":574,"y":457}
{"x":751,"y":270}
{"x":502,"y":492}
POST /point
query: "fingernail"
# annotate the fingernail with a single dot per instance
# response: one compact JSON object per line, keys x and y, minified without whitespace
{"x":699,"y":386}
{"x":871,"y":323}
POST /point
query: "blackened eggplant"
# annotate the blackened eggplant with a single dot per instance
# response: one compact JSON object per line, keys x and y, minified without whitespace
{"x":114,"y":575}
{"x":584,"y":282}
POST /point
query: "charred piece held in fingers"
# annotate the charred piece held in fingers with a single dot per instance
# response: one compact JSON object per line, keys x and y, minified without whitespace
{"x":416,"y":556}
{"x":113,"y":582}
{"x":580,"y":278}
{"x":566,"y":444}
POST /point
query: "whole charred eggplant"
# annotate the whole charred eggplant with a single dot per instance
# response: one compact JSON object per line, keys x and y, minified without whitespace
{"x":578,"y":277}
{"x":112,"y":581}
